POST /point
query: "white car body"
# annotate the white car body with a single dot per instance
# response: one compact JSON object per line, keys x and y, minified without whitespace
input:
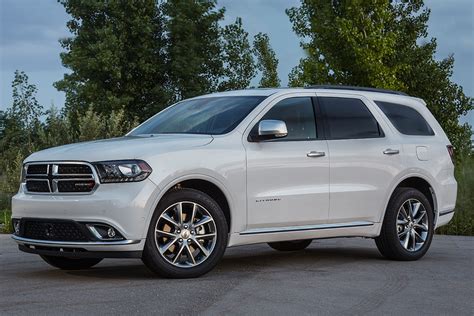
{"x":273,"y":190}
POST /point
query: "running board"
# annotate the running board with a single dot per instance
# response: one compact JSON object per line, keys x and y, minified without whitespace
{"x":271,"y":230}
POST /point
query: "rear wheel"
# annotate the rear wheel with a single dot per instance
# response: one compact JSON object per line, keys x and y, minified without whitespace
{"x":71,"y":263}
{"x":408,"y":226}
{"x":293,"y":245}
{"x":187,"y":235}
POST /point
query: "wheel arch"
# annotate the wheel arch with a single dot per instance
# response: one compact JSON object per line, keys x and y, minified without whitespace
{"x":421,"y":183}
{"x":203,"y":183}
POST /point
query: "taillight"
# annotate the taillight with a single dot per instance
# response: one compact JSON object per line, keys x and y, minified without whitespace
{"x":451,"y":152}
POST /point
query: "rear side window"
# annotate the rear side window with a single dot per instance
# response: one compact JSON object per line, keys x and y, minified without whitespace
{"x":406,"y":120}
{"x":298,"y":114}
{"x":348,"y":118}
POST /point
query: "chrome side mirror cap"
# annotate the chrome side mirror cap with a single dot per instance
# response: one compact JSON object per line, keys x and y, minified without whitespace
{"x":268,"y":129}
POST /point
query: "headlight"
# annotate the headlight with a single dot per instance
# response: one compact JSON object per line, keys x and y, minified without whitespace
{"x":122,"y":171}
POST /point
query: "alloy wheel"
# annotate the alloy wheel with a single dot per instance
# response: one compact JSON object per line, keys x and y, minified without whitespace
{"x":185,"y":234}
{"x":412,"y":225}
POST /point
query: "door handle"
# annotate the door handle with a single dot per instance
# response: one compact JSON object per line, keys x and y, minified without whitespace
{"x":390,"y":151}
{"x":314,"y":154}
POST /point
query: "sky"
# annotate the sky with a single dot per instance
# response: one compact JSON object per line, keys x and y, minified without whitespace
{"x":30,"y":30}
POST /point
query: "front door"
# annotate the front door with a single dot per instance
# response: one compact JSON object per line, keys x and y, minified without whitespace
{"x":288,"y":178}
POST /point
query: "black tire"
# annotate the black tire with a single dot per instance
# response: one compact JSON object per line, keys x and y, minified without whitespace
{"x":388,"y":242}
{"x":293,"y":245}
{"x":71,"y":263}
{"x":158,"y":264}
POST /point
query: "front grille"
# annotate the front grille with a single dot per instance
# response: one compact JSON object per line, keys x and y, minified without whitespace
{"x":53,"y":230}
{"x":37,"y":185}
{"x":60,"y":177}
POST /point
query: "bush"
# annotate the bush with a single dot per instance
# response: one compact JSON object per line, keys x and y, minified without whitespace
{"x":463,"y":220}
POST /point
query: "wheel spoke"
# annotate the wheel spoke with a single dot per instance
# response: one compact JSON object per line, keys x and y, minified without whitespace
{"x":169,"y":219}
{"x":420,"y":217}
{"x":204,"y":236}
{"x":403,"y":233}
{"x":422,"y":226}
{"x":168,"y":245}
{"x":179,"y":253}
{"x":190,"y":254}
{"x":414,"y":209}
{"x":406,"y":240}
{"x":180,"y":213}
{"x":167,"y":234}
{"x":193,"y":214}
{"x":419,"y":236}
{"x":413,"y":238}
{"x":203,"y":221}
{"x":201,"y":247}
{"x":402,"y":221}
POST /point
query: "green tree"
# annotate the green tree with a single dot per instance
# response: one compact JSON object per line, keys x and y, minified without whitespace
{"x":115,"y":56}
{"x":267,"y":62}
{"x":193,"y":46}
{"x":239,"y":65}
{"x":380,"y":44}
{"x":21,"y":127}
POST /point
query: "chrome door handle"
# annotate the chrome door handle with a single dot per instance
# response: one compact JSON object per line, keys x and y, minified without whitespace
{"x":390,"y":151}
{"x":314,"y":154}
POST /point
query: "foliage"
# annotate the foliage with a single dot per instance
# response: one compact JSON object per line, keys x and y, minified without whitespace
{"x":379,"y":44}
{"x":193,"y":46}
{"x":26,"y":132}
{"x":463,"y":220}
{"x":115,"y":56}
{"x":5,"y":221}
{"x":237,"y":56}
{"x":267,"y":62}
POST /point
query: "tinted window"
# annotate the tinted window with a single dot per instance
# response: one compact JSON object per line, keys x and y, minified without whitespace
{"x":216,"y":115}
{"x":348,"y":119}
{"x":406,"y":119}
{"x":298,"y":114}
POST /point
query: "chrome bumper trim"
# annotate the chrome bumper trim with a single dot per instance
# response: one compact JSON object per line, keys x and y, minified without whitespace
{"x":36,"y":242}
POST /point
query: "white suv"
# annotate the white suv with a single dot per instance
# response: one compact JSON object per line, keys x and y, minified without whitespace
{"x":280,"y":166}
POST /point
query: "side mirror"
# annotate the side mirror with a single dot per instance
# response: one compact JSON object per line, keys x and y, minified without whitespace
{"x":270,"y":129}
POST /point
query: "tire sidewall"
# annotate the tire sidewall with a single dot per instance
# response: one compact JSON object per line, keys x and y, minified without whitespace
{"x":391,"y":226}
{"x":155,"y":261}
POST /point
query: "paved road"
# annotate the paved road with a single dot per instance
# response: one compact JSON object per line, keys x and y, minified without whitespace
{"x":337,"y":276}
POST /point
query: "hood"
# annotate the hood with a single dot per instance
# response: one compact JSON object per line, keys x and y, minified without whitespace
{"x":128,"y":147}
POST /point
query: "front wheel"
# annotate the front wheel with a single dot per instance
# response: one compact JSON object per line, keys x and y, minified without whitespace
{"x":187,"y":235}
{"x":293,"y":245}
{"x":408,"y":226}
{"x":71,"y":263}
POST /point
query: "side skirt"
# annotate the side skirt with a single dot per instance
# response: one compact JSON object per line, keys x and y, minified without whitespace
{"x":273,"y":234}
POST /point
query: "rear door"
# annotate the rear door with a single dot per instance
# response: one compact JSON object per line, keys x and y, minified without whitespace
{"x":364,"y":158}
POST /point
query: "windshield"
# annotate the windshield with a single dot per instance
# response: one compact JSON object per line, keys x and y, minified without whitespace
{"x":214,"y":116}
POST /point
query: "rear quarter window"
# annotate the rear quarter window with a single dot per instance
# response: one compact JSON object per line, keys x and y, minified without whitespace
{"x":406,"y":120}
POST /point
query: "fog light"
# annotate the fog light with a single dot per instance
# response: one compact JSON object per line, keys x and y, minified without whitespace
{"x":104,"y":232}
{"x":111,"y":232}
{"x":16,"y":226}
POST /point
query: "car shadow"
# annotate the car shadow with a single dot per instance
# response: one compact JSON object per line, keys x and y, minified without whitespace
{"x":245,"y":260}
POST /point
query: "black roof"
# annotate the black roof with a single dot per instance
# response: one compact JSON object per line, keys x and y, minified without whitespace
{"x":341,"y":87}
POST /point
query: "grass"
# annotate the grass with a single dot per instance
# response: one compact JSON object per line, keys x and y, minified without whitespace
{"x":5,"y":221}
{"x":461,"y":224}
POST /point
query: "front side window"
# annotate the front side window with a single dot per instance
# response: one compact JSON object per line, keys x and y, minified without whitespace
{"x":213,"y":116}
{"x":348,"y":118}
{"x":405,"y":119}
{"x":298,"y":115}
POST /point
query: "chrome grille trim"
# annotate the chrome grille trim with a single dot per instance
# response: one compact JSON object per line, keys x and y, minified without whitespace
{"x":53,"y":177}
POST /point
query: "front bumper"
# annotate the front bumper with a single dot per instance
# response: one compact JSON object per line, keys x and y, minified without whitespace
{"x":125,"y":206}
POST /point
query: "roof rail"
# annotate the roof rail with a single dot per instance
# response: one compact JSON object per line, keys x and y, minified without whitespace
{"x":341,"y":87}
